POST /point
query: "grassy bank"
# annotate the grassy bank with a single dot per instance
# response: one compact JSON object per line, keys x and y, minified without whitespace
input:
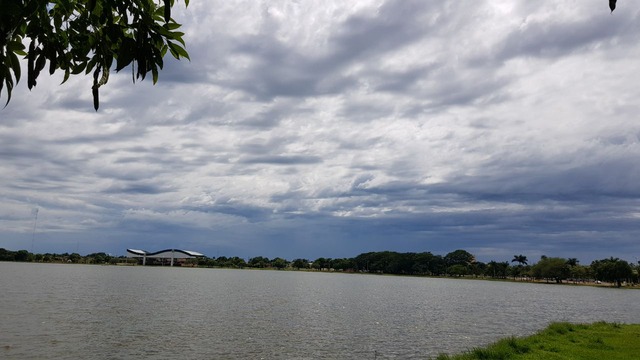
{"x":564,"y":341}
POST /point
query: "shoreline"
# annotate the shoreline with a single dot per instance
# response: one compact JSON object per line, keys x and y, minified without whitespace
{"x":604,"y":285}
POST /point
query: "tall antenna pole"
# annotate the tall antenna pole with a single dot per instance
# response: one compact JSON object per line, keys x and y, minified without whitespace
{"x":35,"y":223}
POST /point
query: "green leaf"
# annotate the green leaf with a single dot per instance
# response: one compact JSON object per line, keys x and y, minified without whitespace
{"x":15,"y":65}
{"x":40,"y":63}
{"x":167,"y":11}
{"x":66,"y":76}
{"x":96,"y":97}
{"x":176,"y":35}
{"x":31,"y":78}
{"x":126,"y":53}
{"x":177,"y":51}
{"x":164,"y":32}
{"x":9,"y":83}
{"x":172,"y":25}
{"x":105,"y":76}
{"x":53,"y":65}
{"x":77,"y":69}
{"x":76,"y":36}
{"x":90,"y":65}
{"x":154,"y":72}
{"x":15,"y":46}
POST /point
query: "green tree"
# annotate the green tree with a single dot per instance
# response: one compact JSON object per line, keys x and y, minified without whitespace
{"x":519,"y":269}
{"x":236,"y":262}
{"x":259,"y":262}
{"x":612,"y":270}
{"x":575,"y":270}
{"x":478,"y":268}
{"x":579,"y":273}
{"x":492,"y":269}
{"x":321,"y":263}
{"x":279,"y":263}
{"x":23,"y":256}
{"x":86,"y":36}
{"x":300,"y":264}
{"x":572,"y":261}
{"x":423,"y":263}
{"x":520,"y":259}
{"x":503,"y":269}
{"x":552,"y":268}
{"x":457,"y":270}
{"x":203,"y":261}
{"x":7,"y":255}
{"x":75,"y":258}
{"x":98,"y":258}
{"x":344,"y":264}
{"x":459,"y":257}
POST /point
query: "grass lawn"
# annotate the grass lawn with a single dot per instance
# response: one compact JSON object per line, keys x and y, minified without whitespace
{"x":565,"y":341}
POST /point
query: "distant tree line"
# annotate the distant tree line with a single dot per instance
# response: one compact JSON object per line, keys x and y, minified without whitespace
{"x":458,"y":263}
{"x":93,"y":258}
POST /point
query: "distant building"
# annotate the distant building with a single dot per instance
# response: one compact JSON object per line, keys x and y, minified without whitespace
{"x":163,"y":257}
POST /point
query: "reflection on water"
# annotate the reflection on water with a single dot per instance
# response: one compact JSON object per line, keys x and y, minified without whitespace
{"x":110,"y":312}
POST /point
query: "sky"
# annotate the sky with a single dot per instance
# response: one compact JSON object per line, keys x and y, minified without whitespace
{"x":306,"y":129}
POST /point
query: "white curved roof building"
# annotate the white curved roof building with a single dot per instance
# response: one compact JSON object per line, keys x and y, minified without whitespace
{"x":163,"y":254}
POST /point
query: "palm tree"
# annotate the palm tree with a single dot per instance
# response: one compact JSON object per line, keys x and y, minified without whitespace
{"x":492,"y":267}
{"x":520,"y":259}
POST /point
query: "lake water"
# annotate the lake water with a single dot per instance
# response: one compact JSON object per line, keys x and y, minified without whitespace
{"x":110,"y":312}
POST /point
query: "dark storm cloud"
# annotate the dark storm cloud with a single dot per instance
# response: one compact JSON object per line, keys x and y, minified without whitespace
{"x":171,"y":159}
{"x":137,"y":188}
{"x":476,"y":89}
{"x":72,"y":102}
{"x":614,"y":178}
{"x":560,"y":37}
{"x":400,"y":81}
{"x":264,"y":120}
{"x":123,"y":134}
{"x":272,"y":116}
{"x":247,"y":212}
{"x":183,"y":72}
{"x":37,"y":163}
{"x":366,"y":111}
{"x":263,"y":146}
{"x":396,"y":24}
{"x":281,"y":160}
{"x":17,"y":148}
{"x":282,"y":70}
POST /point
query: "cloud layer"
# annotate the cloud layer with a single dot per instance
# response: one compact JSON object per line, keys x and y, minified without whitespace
{"x":330,"y":129}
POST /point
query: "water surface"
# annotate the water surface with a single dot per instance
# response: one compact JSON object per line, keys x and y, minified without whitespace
{"x":111,"y":312}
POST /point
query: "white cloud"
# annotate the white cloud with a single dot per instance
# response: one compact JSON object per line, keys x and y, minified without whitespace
{"x":378,"y":124}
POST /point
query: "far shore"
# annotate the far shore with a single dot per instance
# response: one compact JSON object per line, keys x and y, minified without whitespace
{"x":599,"y":284}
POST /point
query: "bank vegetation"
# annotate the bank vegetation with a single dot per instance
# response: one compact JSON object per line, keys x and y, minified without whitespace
{"x":564,"y":341}
{"x":459,"y":264}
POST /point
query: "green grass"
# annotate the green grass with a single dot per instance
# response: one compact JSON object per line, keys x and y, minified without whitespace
{"x":564,"y":341}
